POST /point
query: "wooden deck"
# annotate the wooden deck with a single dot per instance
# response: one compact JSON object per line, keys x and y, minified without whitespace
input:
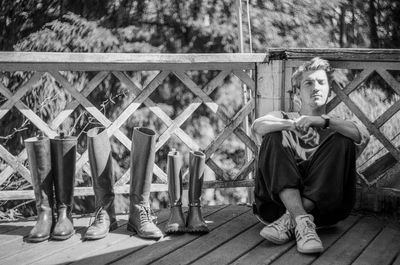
{"x":234,"y":238}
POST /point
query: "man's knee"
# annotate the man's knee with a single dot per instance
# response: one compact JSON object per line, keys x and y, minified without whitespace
{"x":277,"y":138}
{"x":342,"y":140}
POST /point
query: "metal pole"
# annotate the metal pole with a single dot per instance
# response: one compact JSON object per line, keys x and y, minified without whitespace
{"x":239,"y":8}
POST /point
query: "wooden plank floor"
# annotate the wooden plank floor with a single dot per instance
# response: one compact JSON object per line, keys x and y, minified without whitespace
{"x":234,"y":239}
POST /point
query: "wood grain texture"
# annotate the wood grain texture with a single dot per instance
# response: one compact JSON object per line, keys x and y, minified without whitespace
{"x":352,"y":244}
{"x":328,"y":236}
{"x":136,"y":247}
{"x":383,"y":249}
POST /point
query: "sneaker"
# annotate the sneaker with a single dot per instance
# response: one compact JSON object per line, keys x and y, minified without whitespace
{"x":306,"y":236}
{"x":281,"y":231}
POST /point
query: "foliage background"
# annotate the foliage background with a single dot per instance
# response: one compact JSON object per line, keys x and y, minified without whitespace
{"x":192,"y":26}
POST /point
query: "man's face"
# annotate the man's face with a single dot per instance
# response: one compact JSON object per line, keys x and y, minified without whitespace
{"x":314,"y":88}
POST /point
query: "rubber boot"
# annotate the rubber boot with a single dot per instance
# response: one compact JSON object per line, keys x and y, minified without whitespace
{"x":38,"y":149}
{"x":142,"y":163}
{"x":176,"y":221}
{"x":195,"y":222}
{"x":63,"y":152}
{"x":100,"y":161}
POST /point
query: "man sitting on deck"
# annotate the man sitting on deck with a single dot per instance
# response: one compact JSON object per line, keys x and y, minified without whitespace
{"x":307,"y":163}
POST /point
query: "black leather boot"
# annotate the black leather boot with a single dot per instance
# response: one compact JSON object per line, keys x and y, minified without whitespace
{"x":195,"y":222}
{"x":63,"y":152}
{"x":142,"y":163}
{"x":100,"y":161}
{"x":38,"y":149}
{"x":176,"y":221}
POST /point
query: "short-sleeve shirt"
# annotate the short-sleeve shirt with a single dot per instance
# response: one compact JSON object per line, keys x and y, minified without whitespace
{"x":309,"y":149}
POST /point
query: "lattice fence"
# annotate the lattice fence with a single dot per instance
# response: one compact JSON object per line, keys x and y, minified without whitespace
{"x":232,"y":125}
{"x":377,"y":106}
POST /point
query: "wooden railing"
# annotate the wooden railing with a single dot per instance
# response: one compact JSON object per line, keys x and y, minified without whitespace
{"x":267,"y":77}
{"x":118,"y":65}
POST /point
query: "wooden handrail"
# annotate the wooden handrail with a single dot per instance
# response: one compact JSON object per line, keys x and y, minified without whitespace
{"x":337,"y":54}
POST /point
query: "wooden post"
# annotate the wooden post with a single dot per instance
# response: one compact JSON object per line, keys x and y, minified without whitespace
{"x":270,"y":90}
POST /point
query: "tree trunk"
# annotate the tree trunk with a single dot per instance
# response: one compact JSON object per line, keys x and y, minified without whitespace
{"x":341,"y":24}
{"x":373,"y":31}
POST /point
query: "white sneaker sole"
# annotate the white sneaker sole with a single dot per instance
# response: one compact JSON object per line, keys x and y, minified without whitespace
{"x":272,"y":239}
{"x":310,"y":251}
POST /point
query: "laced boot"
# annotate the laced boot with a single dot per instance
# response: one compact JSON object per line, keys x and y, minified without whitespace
{"x":63,"y":151}
{"x":38,"y":149}
{"x":100,"y":161}
{"x":142,"y":163}
{"x":176,"y":221}
{"x":195,"y":222}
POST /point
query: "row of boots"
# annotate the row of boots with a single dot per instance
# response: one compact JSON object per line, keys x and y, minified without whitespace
{"x":52,"y":166}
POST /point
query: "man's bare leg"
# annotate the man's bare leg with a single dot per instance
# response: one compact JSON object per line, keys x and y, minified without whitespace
{"x":292,"y":200}
{"x":307,"y":239}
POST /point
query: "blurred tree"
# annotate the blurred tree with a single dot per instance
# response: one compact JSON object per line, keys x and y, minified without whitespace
{"x":176,"y":26}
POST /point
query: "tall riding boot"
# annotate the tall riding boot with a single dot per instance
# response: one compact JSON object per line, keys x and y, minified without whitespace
{"x":100,"y":161}
{"x":63,"y":152}
{"x":142,"y":163}
{"x":195,"y":222}
{"x":176,"y":222}
{"x":38,"y":149}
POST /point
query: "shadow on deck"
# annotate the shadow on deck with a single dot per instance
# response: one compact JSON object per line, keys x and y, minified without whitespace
{"x":234,"y":238}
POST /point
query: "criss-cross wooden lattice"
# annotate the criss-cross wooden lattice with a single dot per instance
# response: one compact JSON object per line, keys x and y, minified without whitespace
{"x":141,"y":97}
{"x":367,"y":69}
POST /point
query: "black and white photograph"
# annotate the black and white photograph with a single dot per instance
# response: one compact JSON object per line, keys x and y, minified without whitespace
{"x":200,"y":132}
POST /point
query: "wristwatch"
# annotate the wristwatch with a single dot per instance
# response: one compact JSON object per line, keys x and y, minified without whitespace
{"x":327,"y":120}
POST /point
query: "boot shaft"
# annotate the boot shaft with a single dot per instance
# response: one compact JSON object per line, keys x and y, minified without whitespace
{"x":63,"y":159}
{"x":196,"y":176}
{"x":100,"y":160}
{"x":142,"y":163}
{"x":174,"y":165}
{"x":39,"y":158}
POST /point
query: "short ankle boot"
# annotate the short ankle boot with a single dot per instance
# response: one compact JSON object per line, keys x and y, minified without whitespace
{"x":39,"y":157}
{"x":63,"y":152}
{"x":176,"y":221}
{"x":142,"y":162}
{"x":100,"y":161}
{"x":195,"y":222}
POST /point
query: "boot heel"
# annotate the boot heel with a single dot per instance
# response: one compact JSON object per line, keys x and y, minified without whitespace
{"x":113,"y":226}
{"x":131,"y":228}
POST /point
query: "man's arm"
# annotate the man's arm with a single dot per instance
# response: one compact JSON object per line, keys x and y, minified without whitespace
{"x":271,"y":122}
{"x":346,"y":128}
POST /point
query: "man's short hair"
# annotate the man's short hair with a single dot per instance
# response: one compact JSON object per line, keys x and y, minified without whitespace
{"x":315,"y":63}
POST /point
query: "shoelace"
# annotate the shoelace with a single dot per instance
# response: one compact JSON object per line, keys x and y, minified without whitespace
{"x":146,"y":216}
{"x":282,"y":223}
{"x":308,"y":232}
{"x":98,"y":217}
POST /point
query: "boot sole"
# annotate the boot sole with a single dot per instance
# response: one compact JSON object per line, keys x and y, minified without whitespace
{"x":113,"y":226}
{"x":36,"y":240}
{"x":95,"y":237}
{"x":131,"y":228}
{"x":179,"y":230}
{"x":60,"y":238}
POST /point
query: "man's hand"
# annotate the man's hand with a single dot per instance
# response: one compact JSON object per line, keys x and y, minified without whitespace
{"x":311,"y":137}
{"x":303,"y":123}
